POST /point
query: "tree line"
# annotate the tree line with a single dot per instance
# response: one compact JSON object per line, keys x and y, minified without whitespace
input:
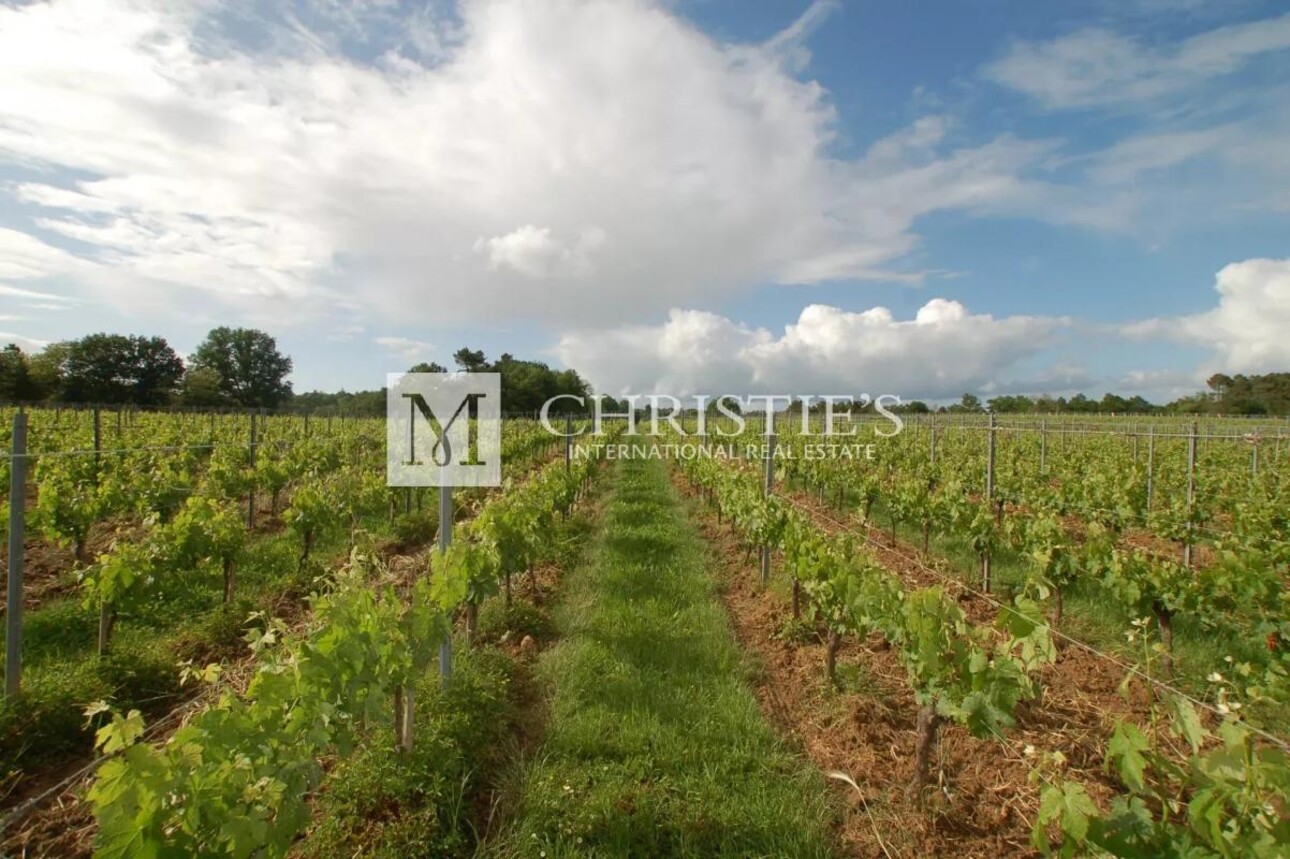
{"x":234,"y":368}
{"x":526,"y":385}
{"x":239,"y":367}
{"x":1267,"y":394}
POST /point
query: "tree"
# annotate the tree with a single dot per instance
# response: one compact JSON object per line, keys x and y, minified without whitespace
{"x":251,"y":369}
{"x":15,"y":376}
{"x":156,"y":371}
{"x":969,"y":403}
{"x":113,"y":368}
{"x":472,"y":362}
{"x":526,"y":385}
{"x":732,"y":404}
{"x":1081,"y":404}
{"x":46,"y":369}
{"x":1113,"y":404}
{"x":1011,"y":404}
{"x":1219,"y":383}
{"x":203,"y":387}
{"x":432,"y":367}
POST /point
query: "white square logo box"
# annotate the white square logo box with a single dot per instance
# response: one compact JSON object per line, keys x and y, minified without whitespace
{"x":443,"y":429}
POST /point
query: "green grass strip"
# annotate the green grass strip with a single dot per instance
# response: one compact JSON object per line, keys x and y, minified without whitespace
{"x":655,"y":745}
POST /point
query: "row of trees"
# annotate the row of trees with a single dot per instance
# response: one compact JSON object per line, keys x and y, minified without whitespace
{"x":1079,"y":404}
{"x":1267,"y":394}
{"x":231,"y":367}
{"x":526,"y":385}
{"x":1228,"y":395}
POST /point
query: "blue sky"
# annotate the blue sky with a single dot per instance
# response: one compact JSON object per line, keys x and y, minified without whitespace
{"x":920,"y":199}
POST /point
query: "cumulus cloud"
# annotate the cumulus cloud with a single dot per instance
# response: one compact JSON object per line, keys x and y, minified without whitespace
{"x":1098,"y":67}
{"x":943,"y":351}
{"x":532,"y":251}
{"x":1247,"y":329}
{"x":499,"y":159}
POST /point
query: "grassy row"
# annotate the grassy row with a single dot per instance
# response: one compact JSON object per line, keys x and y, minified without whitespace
{"x":655,"y":746}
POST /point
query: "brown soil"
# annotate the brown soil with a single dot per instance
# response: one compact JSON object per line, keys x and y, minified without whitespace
{"x":983,"y":803}
{"x":49,"y":570}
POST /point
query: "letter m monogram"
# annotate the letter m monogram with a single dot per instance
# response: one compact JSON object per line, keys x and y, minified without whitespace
{"x":443,"y":429}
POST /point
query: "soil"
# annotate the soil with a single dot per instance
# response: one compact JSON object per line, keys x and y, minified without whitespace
{"x":49,"y":570}
{"x":983,"y":802}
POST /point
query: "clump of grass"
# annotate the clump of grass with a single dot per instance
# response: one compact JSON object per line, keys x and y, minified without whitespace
{"x":856,"y":679}
{"x":797,"y":631}
{"x":414,"y":529}
{"x":498,"y":620}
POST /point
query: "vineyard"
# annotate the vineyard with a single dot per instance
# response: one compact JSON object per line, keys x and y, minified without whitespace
{"x":994,"y":566}
{"x":228,"y":636}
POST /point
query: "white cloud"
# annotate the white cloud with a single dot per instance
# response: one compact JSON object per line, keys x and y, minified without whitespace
{"x":514,"y":161}
{"x":47,"y":297}
{"x":25,"y":257}
{"x":26,"y":344}
{"x":1247,"y":329}
{"x":1160,"y":386}
{"x":942,"y":352}
{"x":1127,"y":159}
{"x":405,"y":347}
{"x":532,"y":251}
{"x":1097,"y":67}
{"x":345,"y":333}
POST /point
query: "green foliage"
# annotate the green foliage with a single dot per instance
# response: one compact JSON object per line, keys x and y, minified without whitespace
{"x":384,"y":802}
{"x":315,"y":510}
{"x":16,"y":384}
{"x":112,"y":368}
{"x":968,"y":674}
{"x":203,"y":387}
{"x":517,"y":620}
{"x":236,"y":777}
{"x":73,"y":495}
{"x":251,"y":370}
{"x":416,"y":528}
{"x":1227,"y":800}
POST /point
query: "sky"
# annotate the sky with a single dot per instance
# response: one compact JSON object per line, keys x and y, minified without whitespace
{"x":698,"y":196}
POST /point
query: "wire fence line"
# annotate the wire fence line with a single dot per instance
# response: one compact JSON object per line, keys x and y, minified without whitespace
{"x":89,"y":451}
